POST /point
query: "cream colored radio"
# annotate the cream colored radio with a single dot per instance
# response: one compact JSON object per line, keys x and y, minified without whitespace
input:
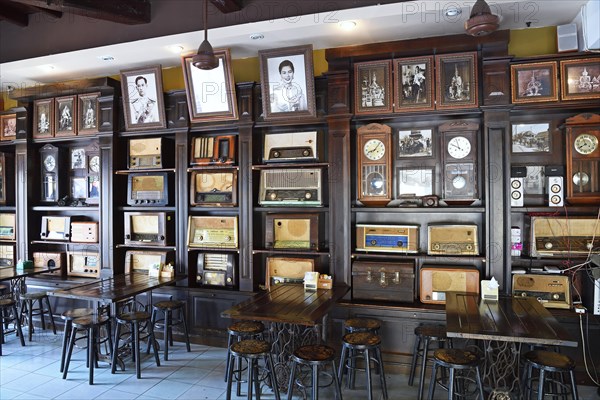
{"x":7,"y":255}
{"x":287,"y":269}
{"x":452,"y":240}
{"x":7,"y":226}
{"x":85,"y":264}
{"x":435,"y":281}
{"x":390,"y":238}
{"x":551,"y":236}
{"x":553,"y":291}
{"x":84,"y":232}
{"x":48,"y":260}
{"x":145,"y":153}
{"x":213,"y":232}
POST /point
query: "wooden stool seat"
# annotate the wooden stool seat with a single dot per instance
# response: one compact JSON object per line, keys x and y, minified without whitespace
{"x":8,"y":314}
{"x":246,"y":328}
{"x":425,"y":334}
{"x":433,"y":331}
{"x":134,"y":316}
{"x":250,"y":348}
{"x":168,"y":322}
{"x":27,"y":301}
{"x":362,"y":325}
{"x":549,"y":362}
{"x":75,"y":313}
{"x":33,"y":295}
{"x":455,"y":360}
{"x":315,"y":356}
{"x":68,"y":316}
{"x":134,"y":319}
{"x":362,"y":340}
{"x":7,"y":302}
{"x":312,"y":354}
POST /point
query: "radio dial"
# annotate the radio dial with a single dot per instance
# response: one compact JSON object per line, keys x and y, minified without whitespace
{"x":436,"y":246}
{"x":127,"y":236}
{"x":555,"y":296}
{"x":228,"y":238}
{"x":273,"y":196}
{"x":305,"y":153}
{"x":523,"y":294}
{"x":548,"y":245}
{"x":229,"y":280}
{"x":276,"y":154}
{"x":162,"y":237}
{"x":307,"y":196}
{"x":469,"y":247}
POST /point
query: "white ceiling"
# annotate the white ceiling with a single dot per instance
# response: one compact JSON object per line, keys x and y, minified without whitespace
{"x":378,"y":23}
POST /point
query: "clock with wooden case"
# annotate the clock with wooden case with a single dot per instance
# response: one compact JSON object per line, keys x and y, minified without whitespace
{"x":50,"y":170}
{"x":374,"y":161}
{"x":459,"y":162}
{"x":583,"y":159}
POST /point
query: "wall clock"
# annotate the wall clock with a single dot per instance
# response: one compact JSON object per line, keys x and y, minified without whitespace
{"x":583,"y":159}
{"x":50,"y":164}
{"x":459,"y":162}
{"x":374,"y":158}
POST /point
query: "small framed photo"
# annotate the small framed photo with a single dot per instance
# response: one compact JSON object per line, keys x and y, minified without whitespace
{"x":43,"y":114}
{"x":534,"y":182}
{"x":456,"y":81}
{"x":414,"y":84}
{"x":288,"y":85}
{"x":79,"y":188}
{"x":414,"y":182}
{"x":210,"y":93}
{"x":93,"y":189}
{"x":531,"y":138}
{"x":534,"y":82}
{"x":143,"y":100}
{"x":580,"y":79}
{"x":372,"y":87}
{"x":415,"y":143}
{"x":88,"y":108}
{"x":78,"y":158}
{"x":65,"y":116}
{"x":8,"y":124}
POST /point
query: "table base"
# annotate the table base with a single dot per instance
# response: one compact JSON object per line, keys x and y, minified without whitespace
{"x":501,"y":370}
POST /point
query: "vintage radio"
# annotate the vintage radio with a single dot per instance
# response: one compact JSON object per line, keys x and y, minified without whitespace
{"x":292,"y":231}
{"x":7,"y":226}
{"x":142,"y":260}
{"x":85,"y":264}
{"x":84,"y":232}
{"x":149,"y":228}
{"x":7,"y":255}
{"x":56,"y":228}
{"x":296,"y":146}
{"x":391,"y":238}
{"x":213,"y":232}
{"x":214,"y":188}
{"x":386,"y":281}
{"x":212,"y":150}
{"x":49,"y":260}
{"x":552,"y":236}
{"x":146,"y":153}
{"x":553,"y":291}
{"x":452,"y":240}
{"x":435,"y":281}
{"x":148,"y":189}
{"x":293,"y":187}
{"x":287,"y":269}
{"x":216,"y":269}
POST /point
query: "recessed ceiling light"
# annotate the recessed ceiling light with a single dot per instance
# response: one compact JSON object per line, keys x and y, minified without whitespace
{"x":347,"y":25}
{"x":107,"y":58}
{"x":176,"y":48}
{"x":257,"y":36}
{"x":452,"y":11}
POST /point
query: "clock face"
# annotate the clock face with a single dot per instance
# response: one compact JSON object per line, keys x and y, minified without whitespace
{"x":459,"y":147}
{"x":95,"y":164}
{"x":374,"y":149}
{"x":459,"y":182}
{"x":50,"y":163}
{"x":585,"y":143}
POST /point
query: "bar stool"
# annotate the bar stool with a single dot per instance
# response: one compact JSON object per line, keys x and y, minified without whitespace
{"x":425,"y":334}
{"x":167,"y":322}
{"x":27,"y":306}
{"x":134,"y":319}
{"x":242,"y":330}
{"x":457,"y":361}
{"x":548,"y":362}
{"x":90,"y":324}
{"x":68,"y":316}
{"x":368,"y":346}
{"x":8,"y":314}
{"x":251,"y":350}
{"x":314,"y":356}
{"x":371,"y":325}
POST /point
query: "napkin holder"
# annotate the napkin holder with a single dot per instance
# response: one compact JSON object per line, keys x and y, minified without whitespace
{"x":311,"y":281}
{"x":22,"y":265}
{"x":489,"y":290}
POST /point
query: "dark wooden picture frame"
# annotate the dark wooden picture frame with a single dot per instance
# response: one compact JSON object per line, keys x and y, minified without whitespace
{"x":65,"y":116}
{"x":288,"y":86}
{"x":210,"y":93}
{"x":415,"y":143}
{"x":43,"y":122}
{"x":531,"y":138}
{"x":88,"y":121}
{"x":456,"y":81}
{"x":414,"y":84}
{"x":373,"y":87}
{"x":580,"y":79}
{"x":143,"y":99}
{"x":534,"y":82}
{"x":8,"y":126}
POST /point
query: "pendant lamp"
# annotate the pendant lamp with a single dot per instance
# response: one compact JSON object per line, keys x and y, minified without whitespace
{"x":482,"y":21}
{"x":205,"y":57}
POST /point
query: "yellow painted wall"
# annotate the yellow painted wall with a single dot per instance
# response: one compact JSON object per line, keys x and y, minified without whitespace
{"x":532,"y":42}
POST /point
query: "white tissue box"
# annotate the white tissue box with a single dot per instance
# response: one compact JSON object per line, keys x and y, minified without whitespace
{"x":488,"y":293}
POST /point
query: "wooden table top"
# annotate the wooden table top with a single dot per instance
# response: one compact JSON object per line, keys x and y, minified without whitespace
{"x":510,"y":319}
{"x":288,"y":303}
{"x":115,"y":288}
{"x":10,"y":273}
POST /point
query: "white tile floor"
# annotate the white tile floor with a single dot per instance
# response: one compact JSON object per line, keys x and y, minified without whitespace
{"x":32,"y":372}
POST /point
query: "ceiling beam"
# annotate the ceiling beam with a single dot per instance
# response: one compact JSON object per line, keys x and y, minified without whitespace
{"x":130,"y":12}
{"x":52,"y":13}
{"x":227,"y":6}
{"x":13,"y":14}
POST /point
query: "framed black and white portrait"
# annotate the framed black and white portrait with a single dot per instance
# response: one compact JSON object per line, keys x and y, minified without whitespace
{"x":65,"y":116}
{"x":143,"y":101}
{"x":415,"y":143}
{"x":43,"y":114}
{"x":534,"y":182}
{"x":78,"y":158}
{"x":210,"y":93}
{"x":414,"y":84}
{"x":287,"y":80}
{"x":373,"y":87}
{"x":531,"y":138}
{"x":88,"y":113}
{"x":414,"y":182}
{"x":456,"y":82}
